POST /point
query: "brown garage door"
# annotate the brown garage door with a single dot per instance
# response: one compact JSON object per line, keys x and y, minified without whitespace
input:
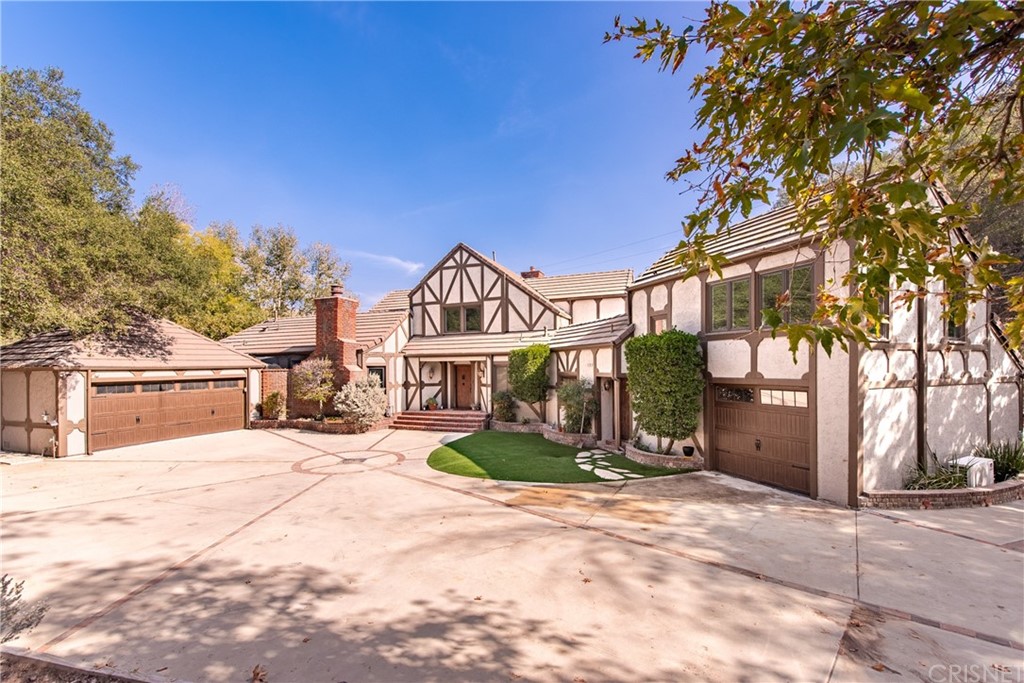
{"x":126,"y":414}
{"x":763,"y":433}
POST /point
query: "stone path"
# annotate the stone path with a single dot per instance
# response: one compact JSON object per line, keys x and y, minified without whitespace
{"x":596,"y":461}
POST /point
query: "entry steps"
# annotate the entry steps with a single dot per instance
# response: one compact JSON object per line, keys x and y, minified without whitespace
{"x":441,"y":420}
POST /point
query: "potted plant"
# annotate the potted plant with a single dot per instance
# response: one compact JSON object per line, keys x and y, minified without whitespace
{"x":431,"y":403}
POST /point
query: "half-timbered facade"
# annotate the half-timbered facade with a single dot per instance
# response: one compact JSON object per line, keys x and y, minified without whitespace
{"x":830,"y":426}
{"x":469,"y":312}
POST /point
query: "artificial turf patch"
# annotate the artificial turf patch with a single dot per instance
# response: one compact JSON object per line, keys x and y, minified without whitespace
{"x":525,"y":457}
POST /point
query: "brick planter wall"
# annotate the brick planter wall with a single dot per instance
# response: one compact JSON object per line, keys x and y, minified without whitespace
{"x":517,"y":427}
{"x":568,"y":438}
{"x":1003,"y":492}
{"x":679,"y":462}
{"x":323,"y":427}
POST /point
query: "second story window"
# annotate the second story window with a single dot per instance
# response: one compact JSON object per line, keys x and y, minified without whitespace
{"x":790,"y":292}
{"x":462,"y":319}
{"x":730,"y":305}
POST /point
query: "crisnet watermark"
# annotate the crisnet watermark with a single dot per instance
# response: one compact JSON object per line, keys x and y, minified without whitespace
{"x":975,"y":673}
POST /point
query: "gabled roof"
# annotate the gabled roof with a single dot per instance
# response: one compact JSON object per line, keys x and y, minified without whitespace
{"x":583,"y":285}
{"x":395,"y":300}
{"x":148,"y":344}
{"x":510,"y":274}
{"x":769,"y":231}
{"x":297,"y":335}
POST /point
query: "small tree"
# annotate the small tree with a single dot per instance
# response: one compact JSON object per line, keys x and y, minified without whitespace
{"x":313,"y":380}
{"x":579,"y":404}
{"x":666,"y":380}
{"x":504,"y":406}
{"x":528,"y":373}
{"x":362,"y":403}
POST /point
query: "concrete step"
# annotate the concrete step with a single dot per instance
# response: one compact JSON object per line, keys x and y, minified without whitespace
{"x":441,"y":420}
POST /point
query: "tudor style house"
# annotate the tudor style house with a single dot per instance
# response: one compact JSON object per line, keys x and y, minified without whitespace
{"x":448,"y":338}
{"x":829,"y":426}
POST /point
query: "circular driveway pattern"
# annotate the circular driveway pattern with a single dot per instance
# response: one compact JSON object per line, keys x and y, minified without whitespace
{"x":347,"y":462}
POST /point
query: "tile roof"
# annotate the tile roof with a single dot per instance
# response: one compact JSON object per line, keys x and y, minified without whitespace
{"x":298,"y":334}
{"x":583,"y":285}
{"x":770,"y":230}
{"x":602,"y":332}
{"x":396,"y":300}
{"x":149,"y":344}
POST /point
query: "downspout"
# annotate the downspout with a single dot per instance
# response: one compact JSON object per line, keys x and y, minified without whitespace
{"x":922,"y":381}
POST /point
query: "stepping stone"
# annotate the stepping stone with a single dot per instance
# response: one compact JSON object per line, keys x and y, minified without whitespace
{"x":605,"y":474}
{"x":588,"y":468}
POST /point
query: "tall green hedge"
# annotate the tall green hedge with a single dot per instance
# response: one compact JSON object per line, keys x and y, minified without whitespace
{"x":528,"y":372}
{"x":666,"y":381}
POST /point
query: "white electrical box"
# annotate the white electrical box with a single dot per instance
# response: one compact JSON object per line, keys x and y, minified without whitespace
{"x":980,"y":471}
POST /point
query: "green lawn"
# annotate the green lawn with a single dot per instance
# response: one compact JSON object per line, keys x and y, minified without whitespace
{"x":524,"y":457}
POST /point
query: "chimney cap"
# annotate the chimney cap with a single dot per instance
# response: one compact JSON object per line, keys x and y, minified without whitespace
{"x":338,"y":290}
{"x":531,"y":273}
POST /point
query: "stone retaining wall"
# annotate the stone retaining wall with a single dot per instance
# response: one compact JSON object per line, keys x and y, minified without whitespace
{"x":323,"y":427}
{"x":568,"y":438}
{"x":695,"y":461}
{"x":1003,"y":492}
{"x":517,"y":427}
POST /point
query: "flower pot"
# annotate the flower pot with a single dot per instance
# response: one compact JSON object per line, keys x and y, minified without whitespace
{"x":688,"y":451}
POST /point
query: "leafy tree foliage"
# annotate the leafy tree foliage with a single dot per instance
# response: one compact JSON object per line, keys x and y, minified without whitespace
{"x":528,"y":372}
{"x":17,"y":617}
{"x":666,"y":381}
{"x":313,"y":380}
{"x":578,"y":402}
{"x":77,"y":255}
{"x":803,"y":98}
{"x":363,"y":402}
{"x":281,"y":277}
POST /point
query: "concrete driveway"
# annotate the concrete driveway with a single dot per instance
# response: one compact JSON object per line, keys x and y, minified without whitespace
{"x":345,"y":558}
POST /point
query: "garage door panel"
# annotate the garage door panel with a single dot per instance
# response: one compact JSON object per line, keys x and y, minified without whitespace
{"x":765,"y":441}
{"x":119,"y":419}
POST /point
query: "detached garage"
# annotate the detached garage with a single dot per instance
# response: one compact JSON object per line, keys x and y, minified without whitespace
{"x":60,"y":396}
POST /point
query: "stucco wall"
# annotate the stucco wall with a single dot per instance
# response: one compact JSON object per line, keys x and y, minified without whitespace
{"x":24,"y":397}
{"x":76,"y":399}
{"x":890,"y":437}
{"x":834,"y":414}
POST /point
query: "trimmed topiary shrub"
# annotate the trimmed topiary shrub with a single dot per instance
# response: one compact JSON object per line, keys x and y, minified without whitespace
{"x":528,"y":373}
{"x":313,"y":380}
{"x":576,"y":397}
{"x":362,"y":403}
{"x":273,"y":406}
{"x":504,"y":403}
{"x":666,"y":380}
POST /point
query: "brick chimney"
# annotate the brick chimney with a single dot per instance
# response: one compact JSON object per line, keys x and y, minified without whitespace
{"x":336,"y":334}
{"x":531,"y":273}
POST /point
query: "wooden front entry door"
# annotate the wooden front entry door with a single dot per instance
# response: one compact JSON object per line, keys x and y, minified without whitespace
{"x":463,"y":386}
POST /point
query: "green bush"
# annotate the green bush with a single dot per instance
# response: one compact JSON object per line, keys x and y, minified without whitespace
{"x":504,"y":406}
{"x":528,"y":372}
{"x":666,"y":380}
{"x":951,"y":476}
{"x":1007,"y":458}
{"x":273,"y":406}
{"x":578,"y":403}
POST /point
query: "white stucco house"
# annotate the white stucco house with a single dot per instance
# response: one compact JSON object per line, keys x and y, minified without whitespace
{"x":829,"y":426}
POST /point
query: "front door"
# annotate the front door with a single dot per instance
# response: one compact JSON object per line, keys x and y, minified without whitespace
{"x":463,"y":386}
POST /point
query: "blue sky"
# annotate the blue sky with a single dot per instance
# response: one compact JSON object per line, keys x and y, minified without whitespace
{"x":390,"y":130}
